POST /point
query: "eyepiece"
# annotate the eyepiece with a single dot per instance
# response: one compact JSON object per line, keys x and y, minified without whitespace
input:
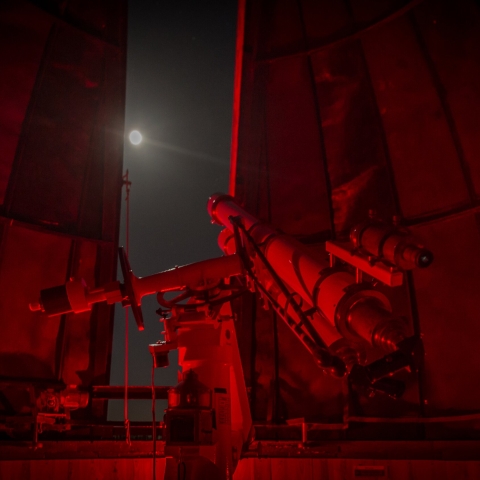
{"x":424,"y":258}
{"x":417,"y":256}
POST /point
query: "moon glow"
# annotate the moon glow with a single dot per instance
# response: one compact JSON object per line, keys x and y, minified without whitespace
{"x":135,"y":137}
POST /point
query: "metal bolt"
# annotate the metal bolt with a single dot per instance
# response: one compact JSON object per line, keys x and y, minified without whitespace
{"x":51,"y":401}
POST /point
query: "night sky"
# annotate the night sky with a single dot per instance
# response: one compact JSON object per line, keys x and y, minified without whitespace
{"x":180,"y":67}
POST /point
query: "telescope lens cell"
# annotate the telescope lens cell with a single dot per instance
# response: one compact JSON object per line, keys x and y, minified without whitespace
{"x":424,"y":259}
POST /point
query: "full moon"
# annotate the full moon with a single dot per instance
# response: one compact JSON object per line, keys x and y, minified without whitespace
{"x":135,"y":137}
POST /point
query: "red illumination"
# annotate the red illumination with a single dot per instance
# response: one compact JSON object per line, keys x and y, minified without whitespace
{"x":237,"y":89}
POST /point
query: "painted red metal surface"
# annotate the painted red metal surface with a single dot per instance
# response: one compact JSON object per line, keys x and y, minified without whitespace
{"x":311,"y":277}
{"x":340,"y":107}
{"x":62,"y":94}
{"x":358,"y":107}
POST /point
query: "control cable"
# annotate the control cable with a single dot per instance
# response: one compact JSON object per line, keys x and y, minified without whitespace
{"x":154,"y":425}
{"x":127,"y":184}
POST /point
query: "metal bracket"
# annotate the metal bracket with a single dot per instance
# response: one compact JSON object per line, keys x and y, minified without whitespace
{"x":388,"y":275}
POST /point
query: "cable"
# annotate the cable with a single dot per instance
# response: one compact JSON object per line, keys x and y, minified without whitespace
{"x":127,"y":184}
{"x":279,"y":282}
{"x":154,"y":424}
{"x":125,"y":400}
{"x":310,"y":338}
